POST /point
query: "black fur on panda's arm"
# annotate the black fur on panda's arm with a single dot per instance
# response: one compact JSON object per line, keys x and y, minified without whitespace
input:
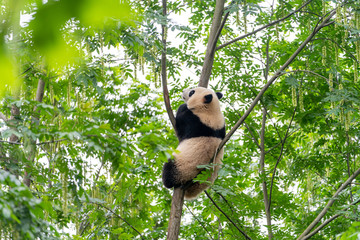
{"x":180,"y":120}
{"x":188,"y":125}
{"x":182,"y":108}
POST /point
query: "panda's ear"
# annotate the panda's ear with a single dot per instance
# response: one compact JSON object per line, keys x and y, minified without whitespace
{"x":219,"y":95}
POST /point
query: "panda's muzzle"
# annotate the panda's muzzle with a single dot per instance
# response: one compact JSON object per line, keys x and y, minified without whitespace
{"x":208,"y":98}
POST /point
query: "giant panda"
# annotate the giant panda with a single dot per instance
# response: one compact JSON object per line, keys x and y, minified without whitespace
{"x":200,"y":128}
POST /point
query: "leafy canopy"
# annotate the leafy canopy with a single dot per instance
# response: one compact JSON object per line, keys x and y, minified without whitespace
{"x":93,"y":146}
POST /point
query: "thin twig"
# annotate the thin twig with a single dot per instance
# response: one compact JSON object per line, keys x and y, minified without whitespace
{"x":267,"y":66}
{"x":263,"y":27}
{"x":26,"y":70}
{"x":262,"y":174}
{"x":40,"y":143}
{"x":276,"y":75}
{"x":9,"y":142}
{"x":307,"y":71}
{"x":101,"y":166}
{"x":53,"y":141}
{"x":279,"y":143}
{"x":273,"y":147}
{"x":339,"y":45}
{"x":3,"y":117}
{"x":328,"y":205}
{"x":280,"y":155}
{"x":246,"y":125}
{"x":329,"y":23}
{"x":305,"y":11}
{"x":202,"y":225}
{"x":348,"y":163}
{"x":226,"y":201}
{"x":328,"y":221}
{"x":118,"y":216}
{"x":233,"y":223}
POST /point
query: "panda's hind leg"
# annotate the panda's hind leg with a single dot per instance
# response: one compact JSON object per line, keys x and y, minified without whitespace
{"x":170,"y":175}
{"x":194,"y":190}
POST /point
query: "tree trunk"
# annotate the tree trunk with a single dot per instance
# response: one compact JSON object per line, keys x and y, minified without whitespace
{"x":178,"y":195}
{"x":175,"y":213}
{"x":29,"y":143}
{"x":210,"y":49}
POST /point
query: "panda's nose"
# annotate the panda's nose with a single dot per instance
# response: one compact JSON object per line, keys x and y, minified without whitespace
{"x":208,"y":98}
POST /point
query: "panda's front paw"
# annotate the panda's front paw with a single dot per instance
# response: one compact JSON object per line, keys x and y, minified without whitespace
{"x":170,"y":175}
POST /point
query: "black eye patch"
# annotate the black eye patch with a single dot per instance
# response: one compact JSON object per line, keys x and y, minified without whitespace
{"x":191,"y":93}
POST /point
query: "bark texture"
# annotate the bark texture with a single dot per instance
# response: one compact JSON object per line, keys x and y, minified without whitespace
{"x":175,"y":214}
{"x":210,"y":49}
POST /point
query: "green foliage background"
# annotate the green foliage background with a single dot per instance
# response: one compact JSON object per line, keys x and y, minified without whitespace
{"x":95,"y":145}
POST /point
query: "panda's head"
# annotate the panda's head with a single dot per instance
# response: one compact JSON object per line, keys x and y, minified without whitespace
{"x":199,"y":99}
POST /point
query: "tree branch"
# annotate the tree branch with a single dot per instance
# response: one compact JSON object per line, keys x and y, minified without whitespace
{"x":215,"y":31}
{"x":29,"y":143}
{"x":328,"y":205}
{"x":198,"y":220}
{"x":175,"y":213}
{"x":9,"y":142}
{"x":226,"y":201}
{"x":339,"y":45}
{"x":178,"y":194}
{"x":3,"y":117}
{"x":232,"y":222}
{"x":276,"y":75}
{"x":216,"y":27}
{"x":279,"y":158}
{"x":328,"y":221}
{"x":163,"y":70}
{"x":262,"y":174}
{"x":53,"y":141}
{"x":15,"y":112}
{"x":118,"y":216}
{"x":247,"y":126}
{"x":348,"y":162}
{"x":307,"y":71}
{"x":263,"y":27}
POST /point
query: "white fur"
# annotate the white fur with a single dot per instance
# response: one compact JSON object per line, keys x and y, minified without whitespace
{"x":193,"y":152}
{"x":209,"y":113}
{"x":200,"y":150}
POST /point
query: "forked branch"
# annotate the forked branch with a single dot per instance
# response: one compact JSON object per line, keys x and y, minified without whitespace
{"x":118,"y":216}
{"x":328,"y":221}
{"x":280,"y":155}
{"x":232,"y":222}
{"x":276,"y":75}
{"x":263,"y":27}
{"x":328,"y":205}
